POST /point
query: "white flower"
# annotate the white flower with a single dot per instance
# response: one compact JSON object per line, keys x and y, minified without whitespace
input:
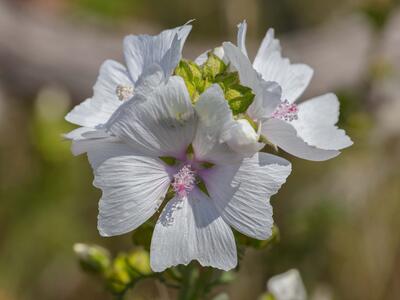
{"x":306,"y":130}
{"x":144,"y":55}
{"x":195,"y":223}
{"x":287,"y":286}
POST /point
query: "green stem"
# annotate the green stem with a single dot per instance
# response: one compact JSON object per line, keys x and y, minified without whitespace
{"x":189,"y":289}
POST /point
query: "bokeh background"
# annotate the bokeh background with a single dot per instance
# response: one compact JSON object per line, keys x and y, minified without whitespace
{"x":339,"y":220}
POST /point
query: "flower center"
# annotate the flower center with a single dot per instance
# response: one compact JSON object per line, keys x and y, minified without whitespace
{"x":286,"y":111}
{"x":184,"y":181}
{"x":124,"y":92}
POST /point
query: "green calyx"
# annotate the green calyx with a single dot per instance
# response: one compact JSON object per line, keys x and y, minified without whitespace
{"x":215,"y":70}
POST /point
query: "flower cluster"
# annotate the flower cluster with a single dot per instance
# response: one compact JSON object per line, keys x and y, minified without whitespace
{"x":188,"y":139}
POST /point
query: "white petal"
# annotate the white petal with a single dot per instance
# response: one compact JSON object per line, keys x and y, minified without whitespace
{"x":133,"y":188}
{"x":294,"y":78}
{"x":267,"y":94}
{"x":285,"y":136}
{"x":161,"y":123}
{"x":270,"y":94}
{"x":143,"y":51}
{"x":78,"y":133}
{"x":202,"y":58}
{"x":98,"y":109}
{"x":316,"y":123}
{"x":214,"y":118}
{"x":191,"y":229}
{"x":268,"y":46}
{"x":242,"y":192}
{"x":242,"y":138}
{"x":100,"y":151}
{"x":81,"y":146}
{"x":241,"y":36}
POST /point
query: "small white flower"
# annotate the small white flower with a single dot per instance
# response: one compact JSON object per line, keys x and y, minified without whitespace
{"x":144,"y":55}
{"x":306,"y":130}
{"x":287,"y":286}
{"x":194,"y":224}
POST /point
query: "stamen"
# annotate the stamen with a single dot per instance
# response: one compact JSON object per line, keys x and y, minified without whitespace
{"x":286,"y":111}
{"x":184,"y":181}
{"x":124,"y":92}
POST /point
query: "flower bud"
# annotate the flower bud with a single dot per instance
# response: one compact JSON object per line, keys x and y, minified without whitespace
{"x":287,"y":286}
{"x":119,"y":276}
{"x":242,"y":138}
{"x":92,"y":258}
{"x":139,"y":260}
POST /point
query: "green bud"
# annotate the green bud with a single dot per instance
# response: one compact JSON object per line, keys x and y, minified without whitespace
{"x":227,"y":80}
{"x":213,"y":66}
{"x":266,"y":296}
{"x":192,"y":75}
{"x":239,"y":98}
{"x":139,"y":260}
{"x":222,"y":296}
{"x":227,"y":277}
{"x":92,"y":258}
{"x":119,"y":276}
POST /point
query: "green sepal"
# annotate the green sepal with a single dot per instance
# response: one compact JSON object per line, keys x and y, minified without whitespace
{"x":202,"y":186}
{"x":207,"y":165}
{"x":169,"y":160}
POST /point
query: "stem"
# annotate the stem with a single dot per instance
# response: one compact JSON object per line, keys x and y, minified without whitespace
{"x":189,"y":289}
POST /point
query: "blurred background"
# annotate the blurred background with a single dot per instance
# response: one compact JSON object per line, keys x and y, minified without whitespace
{"x":339,"y":220}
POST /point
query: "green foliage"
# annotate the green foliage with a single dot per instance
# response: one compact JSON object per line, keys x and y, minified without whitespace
{"x":214,"y":70}
{"x":115,"y":9}
{"x":378,"y":12}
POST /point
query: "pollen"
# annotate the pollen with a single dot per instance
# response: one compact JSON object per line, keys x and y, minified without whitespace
{"x":124,"y":92}
{"x":286,"y":111}
{"x":184,"y":181}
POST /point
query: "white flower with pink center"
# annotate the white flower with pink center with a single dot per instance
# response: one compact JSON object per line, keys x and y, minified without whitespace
{"x":307,"y":130}
{"x":116,"y":83}
{"x":167,"y":144}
